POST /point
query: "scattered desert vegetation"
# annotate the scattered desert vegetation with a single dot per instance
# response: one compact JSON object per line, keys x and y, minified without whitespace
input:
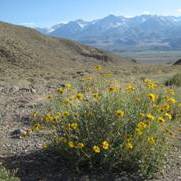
{"x":174,"y":81}
{"x":100,"y":125}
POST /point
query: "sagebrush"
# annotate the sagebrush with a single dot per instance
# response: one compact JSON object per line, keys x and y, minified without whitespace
{"x":100,"y":124}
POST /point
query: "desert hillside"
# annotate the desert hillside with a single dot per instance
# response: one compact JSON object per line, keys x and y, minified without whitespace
{"x":28,"y":48}
{"x":26,"y":54}
{"x":35,"y":69}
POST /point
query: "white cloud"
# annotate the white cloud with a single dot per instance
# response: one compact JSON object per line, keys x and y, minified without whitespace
{"x":179,"y":10}
{"x":28,"y":24}
{"x":146,"y":12}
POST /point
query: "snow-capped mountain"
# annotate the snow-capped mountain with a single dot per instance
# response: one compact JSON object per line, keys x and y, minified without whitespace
{"x":119,"y":33}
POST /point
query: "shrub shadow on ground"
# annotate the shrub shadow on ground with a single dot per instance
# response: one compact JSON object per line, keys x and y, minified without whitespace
{"x":39,"y":165}
{"x":47,"y":166}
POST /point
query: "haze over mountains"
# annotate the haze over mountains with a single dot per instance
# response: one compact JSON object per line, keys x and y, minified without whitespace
{"x":118,"y":33}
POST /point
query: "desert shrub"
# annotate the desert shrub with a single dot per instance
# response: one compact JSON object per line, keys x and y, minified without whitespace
{"x":174,"y":81}
{"x":6,"y":176}
{"x":101,"y":125}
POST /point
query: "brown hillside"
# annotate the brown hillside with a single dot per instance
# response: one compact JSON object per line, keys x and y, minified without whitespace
{"x":178,"y":62}
{"x":27,"y":48}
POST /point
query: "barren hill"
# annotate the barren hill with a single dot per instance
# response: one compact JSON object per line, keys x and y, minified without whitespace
{"x":27,"y":48}
{"x":178,"y":62}
{"x":30,"y":60}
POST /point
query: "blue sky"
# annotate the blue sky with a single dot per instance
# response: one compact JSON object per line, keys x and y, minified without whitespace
{"x":44,"y":13}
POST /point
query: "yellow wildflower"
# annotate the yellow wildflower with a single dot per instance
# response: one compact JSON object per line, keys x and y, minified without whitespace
{"x":164,"y":107}
{"x":113,"y":89}
{"x":151,"y":140}
{"x":169,"y":116}
{"x":142,"y":125}
{"x":105,"y":145}
{"x":80,"y":145}
{"x":147,"y":81}
{"x":71,"y":144}
{"x":98,"y":67}
{"x":60,"y":90}
{"x":140,"y":128}
{"x":119,"y":113}
{"x":152,"y":97}
{"x":171,"y":100}
{"x":79,"y":96}
{"x":74,"y":126}
{"x":130,"y":88}
{"x":36,"y":127}
{"x":96,"y":149}
{"x":68,"y":86}
{"x":170,"y":91}
{"x":139,"y":131}
{"x":161,"y":119}
{"x":48,"y":117}
{"x":66,"y":114}
{"x":150,"y":117}
{"x":150,"y":84}
{"x":129,"y":145}
{"x":59,"y":114}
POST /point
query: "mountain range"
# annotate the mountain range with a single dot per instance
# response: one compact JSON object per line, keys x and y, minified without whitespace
{"x":118,"y":33}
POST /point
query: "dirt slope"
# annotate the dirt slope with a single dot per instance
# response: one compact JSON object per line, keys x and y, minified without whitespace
{"x":28,"y":48}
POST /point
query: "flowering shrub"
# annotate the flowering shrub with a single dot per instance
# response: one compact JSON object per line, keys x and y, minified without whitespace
{"x":110,"y":127}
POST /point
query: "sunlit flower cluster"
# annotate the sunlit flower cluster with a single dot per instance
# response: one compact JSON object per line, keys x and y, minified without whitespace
{"x":150,"y":84}
{"x":101,"y":123}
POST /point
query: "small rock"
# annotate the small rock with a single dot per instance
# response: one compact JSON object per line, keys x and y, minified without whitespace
{"x":1,"y":89}
{"x":25,"y":119}
{"x":80,"y":73}
{"x":33,"y":91}
{"x":18,"y":133}
{"x":62,"y":85}
{"x":25,"y":89}
{"x":14,"y":89}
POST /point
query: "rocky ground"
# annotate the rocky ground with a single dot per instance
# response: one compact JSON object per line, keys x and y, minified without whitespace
{"x":26,"y":157}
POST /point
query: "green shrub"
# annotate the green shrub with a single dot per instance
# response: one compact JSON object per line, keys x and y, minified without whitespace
{"x":174,"y":81}
{"x":6,"y":176}
{"x":105,"y":127}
